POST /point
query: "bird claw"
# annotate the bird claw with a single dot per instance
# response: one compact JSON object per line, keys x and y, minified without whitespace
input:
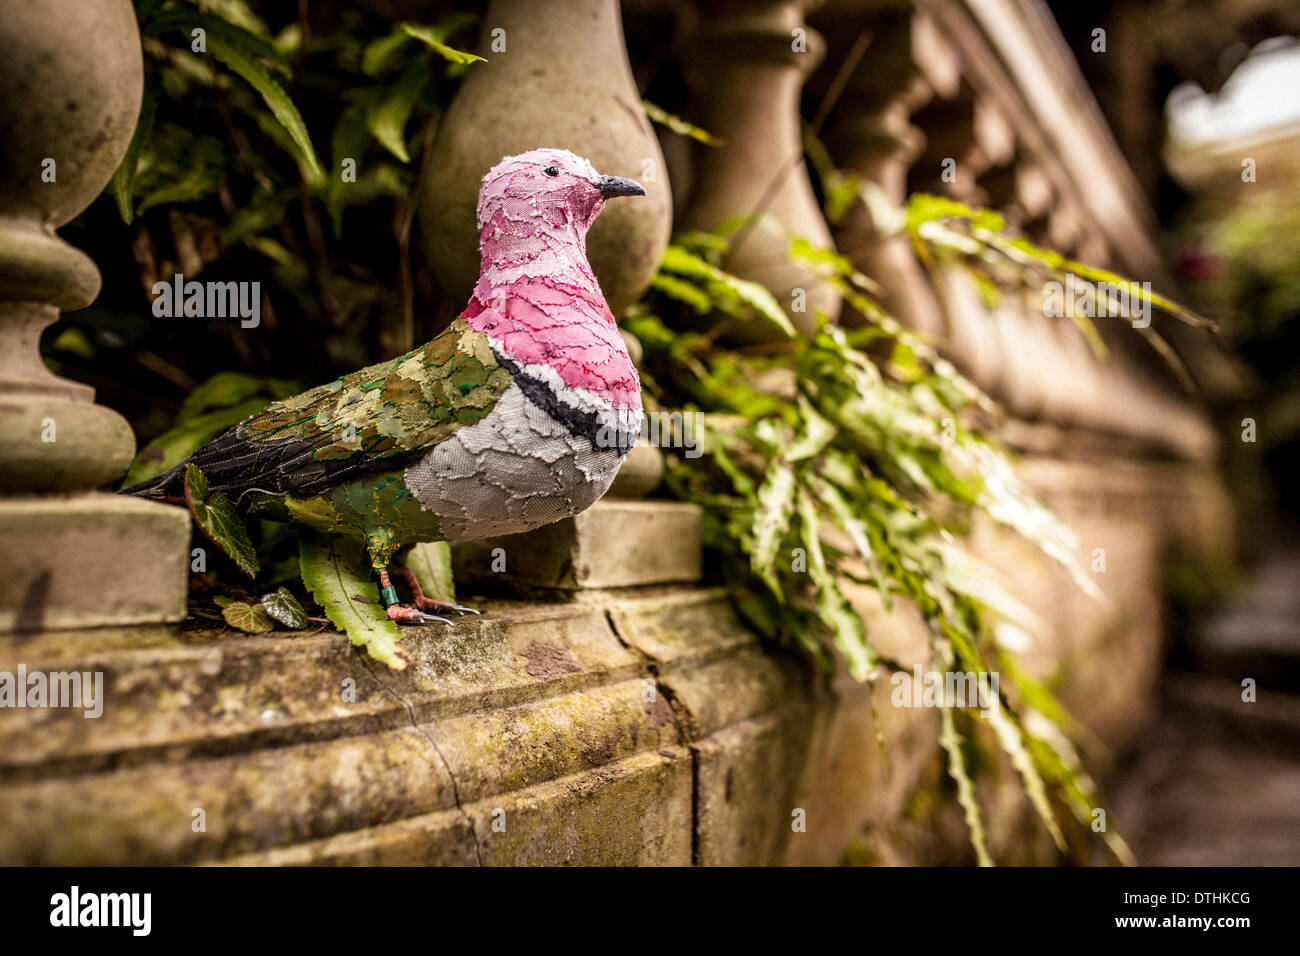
{"x":404,"y":614}
{"x":444,"y":607}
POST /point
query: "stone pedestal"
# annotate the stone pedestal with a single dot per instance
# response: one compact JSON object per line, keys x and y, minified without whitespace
{"x":613,"y":544}
{"x":69,"y":556}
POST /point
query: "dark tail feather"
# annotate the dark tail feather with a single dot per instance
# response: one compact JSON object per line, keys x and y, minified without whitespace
{"x":168,"y":487}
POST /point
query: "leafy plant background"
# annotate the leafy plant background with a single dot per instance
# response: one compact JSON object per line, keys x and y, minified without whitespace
{"x":854,"y":459}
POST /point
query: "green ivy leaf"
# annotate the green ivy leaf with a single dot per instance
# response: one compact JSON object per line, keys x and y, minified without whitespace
{"x":337,"y":574}
{"x":249,"y":618}
{"x":217,"y":519}
{"x":281,"y":605}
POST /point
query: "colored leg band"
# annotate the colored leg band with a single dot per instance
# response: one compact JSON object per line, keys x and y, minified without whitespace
{"x":388,"y":595}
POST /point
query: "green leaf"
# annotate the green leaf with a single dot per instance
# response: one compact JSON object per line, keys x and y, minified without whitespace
{"x":350,"y":140}
{"x":122,"y":184}
{"x":856,"y":529}
{"x":834,"y":610}
{"x":432,"y":37}
{"x":382,"y":53}
{"x":281,"y":605}
{"x":683,"y":291}
{"x":678,"y":260}
{"x":217,"y":519}
{"x":198,"y":182}
{"x":951,"y":743}
{"x":226,"y":389}
{"x":967,"y":574}
{"x":273,"y":93}
{"x":224,"y":32}
{"x":250,"y":618}
{"x":430,"y":561}
{"x":337,"y":573}
{"x":261,"y":213}
{"x":1013,"y":744}
{"x":387,"y":115}
{"x":678,"y":125}
{"x":772,"y":521}
{"x":925,"y":208}
{"x":816,"y":434}
{"x":176,"y":444}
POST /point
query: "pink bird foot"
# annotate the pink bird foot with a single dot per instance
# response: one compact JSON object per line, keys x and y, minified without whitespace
{"x":429,"y":604}
{"x":405,"y":614}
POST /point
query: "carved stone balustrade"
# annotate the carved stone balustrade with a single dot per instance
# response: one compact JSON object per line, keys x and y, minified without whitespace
{"x":69,"y":556}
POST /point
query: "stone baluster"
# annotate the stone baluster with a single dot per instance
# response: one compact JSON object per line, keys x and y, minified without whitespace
{"x":871,"y":134}
{"x":746,"y":66}
{"x":552,"y":78}
{"x":69,"y":556}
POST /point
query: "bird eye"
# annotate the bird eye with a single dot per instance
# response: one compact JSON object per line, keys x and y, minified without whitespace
{"x":551,"y":171}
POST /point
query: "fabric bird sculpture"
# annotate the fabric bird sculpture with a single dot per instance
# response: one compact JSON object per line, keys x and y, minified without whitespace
{"x":519,"y":414}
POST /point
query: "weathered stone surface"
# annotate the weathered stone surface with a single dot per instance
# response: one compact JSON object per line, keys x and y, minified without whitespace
{"x":83,"y":64}
{"x":747,"y":76}
{"x":445,"y":838}
{"x":635,"y":811}
{"x":636,"y":725}
{"x":612,"y":544}
{"x":52,"y":444}
{"x":91,"y":559}
{"x":250,"y":801}
{"x":541,"y":711}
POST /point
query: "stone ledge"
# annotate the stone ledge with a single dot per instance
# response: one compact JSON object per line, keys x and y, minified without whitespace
{"x":626,"y":725}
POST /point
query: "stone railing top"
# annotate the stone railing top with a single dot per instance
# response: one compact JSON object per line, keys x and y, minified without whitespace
{"x":1016,"y":58}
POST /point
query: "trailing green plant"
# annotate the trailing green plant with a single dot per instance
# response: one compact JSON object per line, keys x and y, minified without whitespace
{"x":859,"y":459}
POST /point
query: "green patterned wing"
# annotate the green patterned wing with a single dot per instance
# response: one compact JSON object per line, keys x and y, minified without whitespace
{"x":371,"y":420}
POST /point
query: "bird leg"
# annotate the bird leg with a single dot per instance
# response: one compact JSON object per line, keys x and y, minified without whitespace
{"x":403,"y":613}
{"x":429,"y":604}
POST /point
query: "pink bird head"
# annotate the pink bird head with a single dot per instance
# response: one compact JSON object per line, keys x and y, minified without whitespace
{"x":534,"y":211}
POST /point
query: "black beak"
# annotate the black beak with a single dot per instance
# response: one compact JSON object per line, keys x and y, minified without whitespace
{"x":616,"y":186}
